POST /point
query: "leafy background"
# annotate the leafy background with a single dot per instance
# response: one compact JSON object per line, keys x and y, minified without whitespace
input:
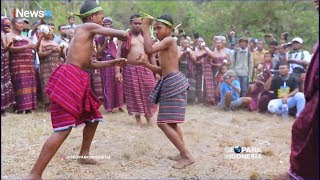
{"x":209,"y":18}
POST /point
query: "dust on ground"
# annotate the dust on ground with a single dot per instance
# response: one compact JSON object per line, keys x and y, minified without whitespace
{"x":130,"y":153}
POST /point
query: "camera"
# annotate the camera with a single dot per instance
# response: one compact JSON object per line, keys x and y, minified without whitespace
{"x":275,"y":72}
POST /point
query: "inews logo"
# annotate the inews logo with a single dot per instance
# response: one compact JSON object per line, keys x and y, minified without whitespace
{"x":28,"y":13}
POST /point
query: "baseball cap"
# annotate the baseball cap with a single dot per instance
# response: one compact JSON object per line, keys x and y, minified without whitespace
{"x":25,"y":20}
{"x":243,"y":39}
{"x":297,"y":39}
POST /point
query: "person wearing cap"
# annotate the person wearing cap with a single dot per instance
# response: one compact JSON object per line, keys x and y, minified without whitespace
{"x":26,"y":28}
{"x":50,"y":55}
{"x":242,"y":64}
{"x":298,"y":58}
{"x":230,"y":93}
{"x":72,"y":102}
{"x":138,"y":81}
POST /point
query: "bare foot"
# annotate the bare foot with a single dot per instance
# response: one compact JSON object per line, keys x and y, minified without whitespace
{"x":114,"y":110}
{"x":32,"y":177}
{"x":87,"y":161}
{"x":138,"y":125}
{"x":183,"y":162}
{"x":175,"y":158}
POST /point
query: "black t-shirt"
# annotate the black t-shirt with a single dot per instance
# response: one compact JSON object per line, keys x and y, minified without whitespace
{"x":283,"y":87}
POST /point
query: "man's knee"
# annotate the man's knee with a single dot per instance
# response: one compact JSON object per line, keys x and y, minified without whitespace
{"x":271,"y":107}
{"x":299,"y":96}
{"x":64,"y":133}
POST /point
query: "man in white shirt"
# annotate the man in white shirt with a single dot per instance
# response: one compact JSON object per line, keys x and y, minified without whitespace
{"x":297,"y":58}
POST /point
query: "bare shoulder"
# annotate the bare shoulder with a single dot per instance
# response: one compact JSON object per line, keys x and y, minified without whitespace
{"x":88,"y":26}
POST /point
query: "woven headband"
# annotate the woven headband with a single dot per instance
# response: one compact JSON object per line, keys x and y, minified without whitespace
{"x":94,"y":10}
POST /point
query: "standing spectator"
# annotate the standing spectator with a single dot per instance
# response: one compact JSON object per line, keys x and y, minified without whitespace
{"x":5,"y":25}
{"x":232,"y":39}
{"x":258,"y":55}
{"x":49,"y":54}
{"x":23,"y":69}
{"x":112,"y":90}
{"x":297,"y":58}
{"x":26,"y":28}
{"x":63,"y":34}
{"x":205,"y":83}
{"x":284,"y":37}
{"x":138,"y":81}
{"x":286,"y":89}
{"x":252,"y":45}
{"x":71,"y":21}
{"x":242,"y":64}
{"x":187,"y":58}
{"x":7,"y":95}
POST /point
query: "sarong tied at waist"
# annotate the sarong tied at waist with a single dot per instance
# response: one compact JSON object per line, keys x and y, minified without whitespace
{"x":69,"y":86}
{"x":169,"y":86}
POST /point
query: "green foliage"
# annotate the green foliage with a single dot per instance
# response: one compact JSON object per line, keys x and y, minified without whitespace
{"x":209,"y":18}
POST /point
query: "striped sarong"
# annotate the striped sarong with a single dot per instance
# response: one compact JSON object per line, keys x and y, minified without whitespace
{"x":138,"y":83}
{"x":171,"y":94}
{"x":7,"y":96}
{"x":72,"y":101}
{"x":23,"y":78}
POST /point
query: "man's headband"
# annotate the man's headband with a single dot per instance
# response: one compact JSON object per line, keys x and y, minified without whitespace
{"x":94,"y":10}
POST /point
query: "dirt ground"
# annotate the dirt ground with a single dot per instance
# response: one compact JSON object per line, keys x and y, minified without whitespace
{"x":131,"y":153}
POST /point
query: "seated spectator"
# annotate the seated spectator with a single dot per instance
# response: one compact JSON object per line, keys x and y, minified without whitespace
{"x":230,"y":93}
{"x":286,"y":89}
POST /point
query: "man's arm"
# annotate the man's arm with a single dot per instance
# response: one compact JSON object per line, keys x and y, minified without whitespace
{"x":115,"y":62}
{"x":157,"y":47}
{"x":97,"y":29}
{"x":118,"y":75}
{"x":267,"y":84}
{"x":143,"y":60}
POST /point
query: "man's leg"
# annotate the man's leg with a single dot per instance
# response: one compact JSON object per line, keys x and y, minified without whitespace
{"x":174,"y":137}
{"x":138,"y":119}
{"x":301,"y":102}
{"x":227,"y":100}
{"x":48,"y":150}
{"x":88,"y":134}
{"x":274,"y":106}
{"x":178,"y":129}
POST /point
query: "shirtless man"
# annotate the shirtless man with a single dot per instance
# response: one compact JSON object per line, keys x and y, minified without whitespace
{"x":171,"y":90}
{"x":138,"y":81}
{"x":69,"y":89}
